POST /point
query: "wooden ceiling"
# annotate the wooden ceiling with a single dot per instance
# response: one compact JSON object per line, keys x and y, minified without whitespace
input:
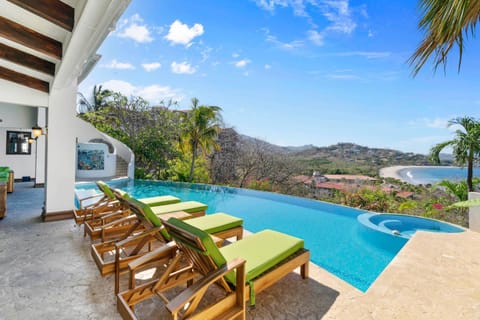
{"x":32,"y":36}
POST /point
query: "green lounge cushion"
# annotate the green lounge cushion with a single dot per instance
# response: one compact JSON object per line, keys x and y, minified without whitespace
{"x":261,"y":251}
{"x":147,"y":211}
{"x":105,"y":189}
{"x":187,"y":206}
{"x":215,"y":222}
{"x":151,"y":201}
{"x":208,"y":243}
{"x":159,"y":200}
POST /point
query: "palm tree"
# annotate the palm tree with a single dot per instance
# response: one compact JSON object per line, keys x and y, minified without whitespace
{"x":99,"y":99}
{"x":446,"y":23}
{"x":201,"y":127}
{"x":466,"y":145}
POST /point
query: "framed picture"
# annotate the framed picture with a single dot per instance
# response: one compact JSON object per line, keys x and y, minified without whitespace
{"x":17,"y":142}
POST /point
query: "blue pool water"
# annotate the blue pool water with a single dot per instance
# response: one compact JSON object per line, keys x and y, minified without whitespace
{"x":405,"y":226}
{"x":331,"y":232}
{"x":431,"y":175}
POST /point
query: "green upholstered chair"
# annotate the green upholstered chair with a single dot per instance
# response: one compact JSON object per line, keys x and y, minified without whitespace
{"x":269,"y":256}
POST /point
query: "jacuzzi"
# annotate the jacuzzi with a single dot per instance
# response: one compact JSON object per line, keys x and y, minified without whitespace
{"x":404,"y":226}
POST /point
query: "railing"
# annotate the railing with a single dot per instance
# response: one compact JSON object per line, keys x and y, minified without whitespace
{"x":86,"y":132}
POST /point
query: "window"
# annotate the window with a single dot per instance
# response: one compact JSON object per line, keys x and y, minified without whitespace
{"x":17,"y":142}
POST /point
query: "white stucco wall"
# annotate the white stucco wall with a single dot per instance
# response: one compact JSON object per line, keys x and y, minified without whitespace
{"x":17,"y":118}
{"x":474,"y":213}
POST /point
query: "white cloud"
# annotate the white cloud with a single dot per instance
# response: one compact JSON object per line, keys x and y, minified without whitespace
{"x":151,"y":66}
{"x":242,"y":63}
{"x":315,"y":37}
{"x":114,"y":64}
{"x":338,"y":13}
{"x":153,"y":93}
{"x":343,"y":76}
{"x":283,"y":45}
{"x":435,"y":123}
{"x":182,"y":68}
{"x":180,"y":33}
{"x":267,"y":66}
{"x":235,"y":55}
{"x":135,"y":29}
{"x":366,"y":54}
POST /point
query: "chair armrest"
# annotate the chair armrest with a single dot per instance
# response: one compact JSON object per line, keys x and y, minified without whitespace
{"x":99,"y":195}
{"x":167,"y":250}
{"x":198,"y":288}
{"x":143,"y":234}
{"x":104,"y":216}
{"x":119,"y":221}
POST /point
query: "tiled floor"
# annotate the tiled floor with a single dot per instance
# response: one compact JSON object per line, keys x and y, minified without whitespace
{"x":46,"y":272}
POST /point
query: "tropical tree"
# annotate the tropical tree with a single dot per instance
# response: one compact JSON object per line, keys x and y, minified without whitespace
{"x":446,"y":23}
{"x":201,"y":126}
{"x":466,"y":145}
{"x":97,"y":101}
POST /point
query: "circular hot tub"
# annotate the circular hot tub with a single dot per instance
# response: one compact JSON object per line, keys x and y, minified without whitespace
{"x":404,"y":226}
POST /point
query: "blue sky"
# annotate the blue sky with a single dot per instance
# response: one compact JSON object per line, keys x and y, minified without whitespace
{"x":292,"y":72}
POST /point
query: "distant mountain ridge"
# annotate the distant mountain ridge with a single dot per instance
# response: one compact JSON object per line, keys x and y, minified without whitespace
{"x":348,"y":152}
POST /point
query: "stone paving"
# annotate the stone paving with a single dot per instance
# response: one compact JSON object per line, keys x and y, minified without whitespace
{"x":46,"y":272}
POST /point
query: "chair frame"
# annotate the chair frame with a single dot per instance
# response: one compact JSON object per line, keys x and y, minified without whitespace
{"x":209,"y":273}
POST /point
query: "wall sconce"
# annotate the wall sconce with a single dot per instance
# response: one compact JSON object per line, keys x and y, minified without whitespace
{"x":31,"y":140}
{"x":36,"y":132}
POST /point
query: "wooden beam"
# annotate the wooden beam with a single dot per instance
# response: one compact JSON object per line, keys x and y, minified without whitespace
{"x":54,"y":11}
{"x":30,"y":38}
{"x":24,"y":80}
{"x":26,"y":60}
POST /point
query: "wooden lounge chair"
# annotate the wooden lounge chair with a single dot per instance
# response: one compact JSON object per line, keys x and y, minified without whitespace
{"x":269,"y":256}
{"x":114,"y":256}
{"x":93,"y":205}
{"x":106,"y":202}
{"x":116,"y":225}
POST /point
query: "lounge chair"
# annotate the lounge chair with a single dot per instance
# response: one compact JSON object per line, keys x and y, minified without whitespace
{"x":116,"y":224}
{"x":101,"y":204}
{"x":220,"y":225}
{"x":269,"y":256}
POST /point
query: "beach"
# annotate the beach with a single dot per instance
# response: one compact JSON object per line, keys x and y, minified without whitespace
{"x":425,"y":174}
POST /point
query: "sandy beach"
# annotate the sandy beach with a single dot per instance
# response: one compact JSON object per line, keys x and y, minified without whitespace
{"x":394,"y":172}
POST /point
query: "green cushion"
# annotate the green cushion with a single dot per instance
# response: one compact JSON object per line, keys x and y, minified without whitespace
{"x":187,"y":206}
{"x":159,"y":200}
{"x":105,"y":189}
{"x":261,"y":251}
{"x":215,"y":222}
{"x":147,"y":212}
{"x":208,"y":243}
{"x":151,"y":201}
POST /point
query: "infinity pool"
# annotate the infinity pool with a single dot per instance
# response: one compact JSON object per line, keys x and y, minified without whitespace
{"x":331,"y":232}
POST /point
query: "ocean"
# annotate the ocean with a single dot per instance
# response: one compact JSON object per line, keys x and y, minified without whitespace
{"x":431,"y":175}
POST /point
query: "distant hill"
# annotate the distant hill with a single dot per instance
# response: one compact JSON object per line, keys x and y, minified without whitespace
{"x":345,"y":157}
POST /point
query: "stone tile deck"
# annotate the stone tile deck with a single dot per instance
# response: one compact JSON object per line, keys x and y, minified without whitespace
{"x":46,"y":272}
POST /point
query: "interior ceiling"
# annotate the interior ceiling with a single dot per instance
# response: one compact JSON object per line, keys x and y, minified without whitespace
{"x":32,"y":39}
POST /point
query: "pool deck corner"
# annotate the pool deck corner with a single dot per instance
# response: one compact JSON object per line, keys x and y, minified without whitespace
{"x":435,"y":276}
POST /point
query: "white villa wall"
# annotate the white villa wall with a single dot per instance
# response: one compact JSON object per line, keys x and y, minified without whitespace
{"x":17,"y":118}
{"x":474,"y":213}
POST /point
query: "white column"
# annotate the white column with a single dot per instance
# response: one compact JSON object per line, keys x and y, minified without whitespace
{"x":41,"y":145}
{"x":61,"y":147}
{"x":474,"y":213}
